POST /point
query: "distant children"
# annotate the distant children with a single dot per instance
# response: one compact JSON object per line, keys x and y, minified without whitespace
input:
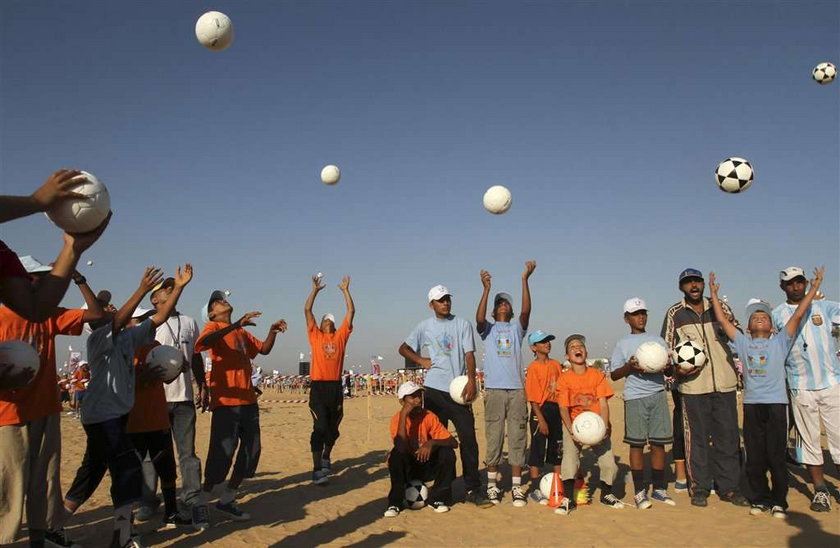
{"x":423,"y":450}
{"x":236,"y":417}
{"x":583,"y":388}
{"x":765,"y":397}
{"x":541,"y":385}
{"x":326,"y":398}
{"x":110,"y":396}
{"x":646,"y":416}
{"x":451,"y":346}
{"x":504,"y":397}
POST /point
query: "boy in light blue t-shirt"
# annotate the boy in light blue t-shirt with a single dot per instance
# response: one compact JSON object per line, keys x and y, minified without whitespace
{"x":765,"y":395}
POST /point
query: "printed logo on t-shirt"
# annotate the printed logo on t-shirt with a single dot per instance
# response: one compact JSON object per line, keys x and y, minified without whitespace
{"x":329,"y":350}
{"x":504,"y":345}
{"x":817,"y":320}
{"x":583,"y":401}
{"x":444,"y":342}
{"x":757,"y":367}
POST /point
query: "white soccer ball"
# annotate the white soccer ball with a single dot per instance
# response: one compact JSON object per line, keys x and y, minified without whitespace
{"x":82,"y":215}
{"x":166,"y":361}
{"x":330,"y":175}
{"x":19,"y":363}
{"x":214,"y":30}
{"x":416,"y":494}
{"x":734,"y":175}
{"x":547,"y":481}
{"x":652,"y":356}
{"x":589,"y":428}
{"x":824,"y":73}
{"x":456,"y":388}
{"x":688,"y":355}
{"x":497,"y":199}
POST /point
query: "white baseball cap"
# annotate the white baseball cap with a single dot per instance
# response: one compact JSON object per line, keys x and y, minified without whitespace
{"x":438,"y":292}
{"x":408,"y":388}
{"x":634,"y":305}
{"x":329,"y":317}
{"x":139,"y":312}
{"x":790,"y":273}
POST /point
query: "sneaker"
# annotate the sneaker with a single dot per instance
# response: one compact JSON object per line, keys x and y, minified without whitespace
{"x":392,"y":512}
{"x":439,"y":507}
{"x":661,"y":495}
{"x":642,"y":500}
{"x":175,"y":520}
{"x":611,"y":501}
{"x":478,"y":499}
{"x":758,"y":509}
{"x":494,"y":494}
{"x":144,"y":512}
{"x":821,"y":502}
{"x":735,"y":498}
{"x":680,"y":486}
{"x":566,"y":507}
{"x":326,"y":466}
{"x":319,"y":477}
{"x":518,"y":497}
{"x":232,"y":511}
{"x":778,"y":512}
{"x":537,"y":496}
{"x":133,"y":541}
{"x":59,"y":539}
{"x":699,"y":499}
{"x":200,"y":517}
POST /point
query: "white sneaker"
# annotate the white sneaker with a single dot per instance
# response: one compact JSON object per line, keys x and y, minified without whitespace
{"x":519,"y":499}
{"x":494,"y":494}
{"x":392,"y":512}
{"x":778,"y":512}
{"x":439,"y":507}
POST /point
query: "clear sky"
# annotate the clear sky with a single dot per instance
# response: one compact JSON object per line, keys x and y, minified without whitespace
{"x":605,"y":119}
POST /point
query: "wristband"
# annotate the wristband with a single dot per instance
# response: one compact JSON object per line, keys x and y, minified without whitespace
{"x":80,"y":280}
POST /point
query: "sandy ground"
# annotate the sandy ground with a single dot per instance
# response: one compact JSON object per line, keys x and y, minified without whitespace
{"x":287,"y":511}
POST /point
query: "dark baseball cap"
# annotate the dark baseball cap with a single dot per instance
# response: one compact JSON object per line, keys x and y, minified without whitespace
{"x":690,"y":273}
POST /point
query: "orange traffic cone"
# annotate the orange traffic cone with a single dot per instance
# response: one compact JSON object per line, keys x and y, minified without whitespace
{"x":555,"y":495}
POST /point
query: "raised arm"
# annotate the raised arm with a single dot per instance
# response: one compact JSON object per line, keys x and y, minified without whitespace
{"x":94,"y":311}
{"x":317,"y":286}
{"x":55,"y":188}
{"x":525,"y":314}
{"x":722,"y":318}
{"x":151,"y":277}
{"x":792,"y":325}
{"x":212,"y":338}
{"x":277,"y":327}
{"x":481,"y":311}
{"x":182,"y":278}
{"x":344,"y":286}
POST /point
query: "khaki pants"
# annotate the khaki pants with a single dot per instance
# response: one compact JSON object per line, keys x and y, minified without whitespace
{"x":571,"y":459}
{"x":30,"y":456}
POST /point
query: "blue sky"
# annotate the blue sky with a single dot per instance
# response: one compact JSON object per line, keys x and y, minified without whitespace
{"x":605,"y":119}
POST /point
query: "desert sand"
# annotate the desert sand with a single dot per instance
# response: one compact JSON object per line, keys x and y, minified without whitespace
{"x":287,"y":511}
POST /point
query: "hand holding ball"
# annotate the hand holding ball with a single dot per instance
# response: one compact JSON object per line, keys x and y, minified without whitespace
{"x":652,"y":356}
{"x":456,"y":389}
{"x":589,"y":428}
{"x":19,"y":363}
{"x":81,"y":215}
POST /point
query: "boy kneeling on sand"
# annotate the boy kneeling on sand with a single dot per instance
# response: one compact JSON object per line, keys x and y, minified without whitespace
{"x":423,"y":450}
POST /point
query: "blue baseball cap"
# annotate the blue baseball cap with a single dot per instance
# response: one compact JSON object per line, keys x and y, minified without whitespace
{"x":539,"y":336}
{"x":690,"y":273}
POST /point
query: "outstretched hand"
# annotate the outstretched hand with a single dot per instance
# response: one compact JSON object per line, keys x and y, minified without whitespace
{"x":713,"y":285}
{"x":151,"y":277}
{"x":816,"y":281}
{"x":485,"y":279}
{"x":80,"y":241}
{"x":183,"y":275}
{"x":530,"y":266}
{"x":248,"y":318}
{"x":317,"y":283}
{"x":278,"y":327}
{"x":345,"y":283}
{"x":56,"y":188}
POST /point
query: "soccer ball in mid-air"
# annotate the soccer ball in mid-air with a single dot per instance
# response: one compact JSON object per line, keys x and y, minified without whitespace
{"x":734,"y":175}
{"x":652,"y":356}
{"x":497,"y":199}
{"x":82,"y":214}
{"x":19,"y":363}
{"x":416,"y":494}
{"x":167,"y":361}
{"x":688,"y":355}
{"x":824,"y":73}
{"x":589,"y":428}
{"x":214,"y":30}
{"x":330,"y":175}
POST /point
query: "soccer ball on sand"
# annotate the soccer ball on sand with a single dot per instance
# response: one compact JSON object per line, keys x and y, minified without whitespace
{"x":416,"y":494}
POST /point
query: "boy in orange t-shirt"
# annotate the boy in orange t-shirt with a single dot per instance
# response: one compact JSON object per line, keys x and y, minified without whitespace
{"x":580,"y":389}
{"x":236,"y":418}
{"x":546,"y":427}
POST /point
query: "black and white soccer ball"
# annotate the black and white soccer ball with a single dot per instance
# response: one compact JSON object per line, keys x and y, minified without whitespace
{"x":824,"y":73}
{"x":734,"y":175}
{"x":688,"y":355}
{"x":416,"y":494}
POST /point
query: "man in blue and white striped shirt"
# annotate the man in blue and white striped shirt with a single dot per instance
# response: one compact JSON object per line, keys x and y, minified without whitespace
{"x":813,"y":376}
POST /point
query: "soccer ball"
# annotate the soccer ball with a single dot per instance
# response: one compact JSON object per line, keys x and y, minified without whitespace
{"x":330,"y":175}
{"x":589,"y":428}
{"x":166,"y":361}
{"x":652,"y":356}
{"x":19,"y":363}
{"x":456,"y":388}
{"x":824,"y":73}
{"x":214,"y":30}
{"x":497,"y":199}
{"x":734,"y":175}
{"x":688,"y":355}
{"x":551,"y":486}
{"x":416,"y":494}
{"x":82,"y":215}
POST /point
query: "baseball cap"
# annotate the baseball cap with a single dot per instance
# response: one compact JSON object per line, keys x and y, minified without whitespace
{"x":787,"y":274}
{"x":502,"y":297}
{"x":167,"y":283}
{"x":539,"y":336}
{"x":757,"y":305}
{"x":33,"y":265}
{"x":690,"y":273}
{"x":408,"y":388}
{"x":438,"y":292}
{"x":634,"y":305}
{"x":329,"y":317}
{"x":216,"y":295}
{"x":575,"y":337}
{"x":139,"y":312}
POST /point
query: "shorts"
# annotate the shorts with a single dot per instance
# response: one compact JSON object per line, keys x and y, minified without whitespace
{"x":232,"y":426}
{"x":647,"y":420}
{"x":808,"y":407}
{"x":546,"y":449}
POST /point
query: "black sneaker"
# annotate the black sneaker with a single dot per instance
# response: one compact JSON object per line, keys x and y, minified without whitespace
{"x":735,"y":498}
{"x":821,"y":502}
{"x":59,"y":539}
{"x":175,"y":520}
{"x":200,"y":517}
{"x":699,"y":499}
{"x":478,"y":499}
